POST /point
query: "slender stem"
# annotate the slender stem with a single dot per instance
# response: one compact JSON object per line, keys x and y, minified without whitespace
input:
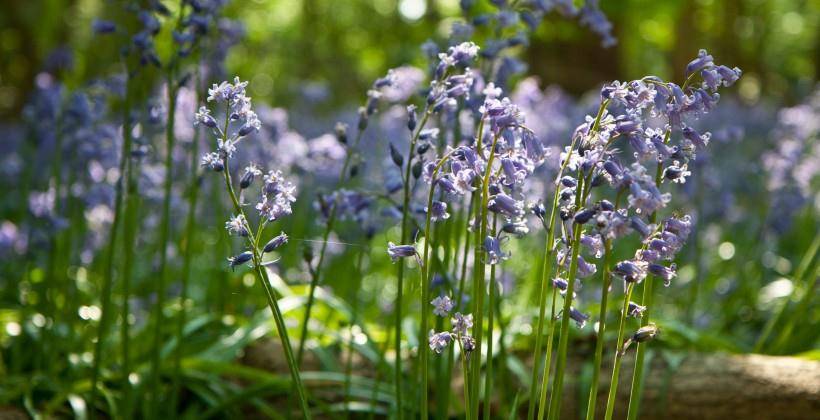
{"x":563,"y":341}
{"x":354,"y":319}
{"x":405,"y":214}
{"x":108,"y":280}
{"x":164,"y":232}
{"x":132,"y":205}
{"x":190,"y":232}
{"x":478,"y":278}
{"x":488,"y":377}
{"x":599,"y":339}
{"x":647,"y":300}
{"x":616,"y":369}
{"x":545,"y":272}
{"x":543,"y":408}
{"x":606,"y":283}
{"x":315,"y":274}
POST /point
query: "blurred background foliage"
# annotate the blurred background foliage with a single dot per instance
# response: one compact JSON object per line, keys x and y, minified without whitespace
{"x":326,"y":52}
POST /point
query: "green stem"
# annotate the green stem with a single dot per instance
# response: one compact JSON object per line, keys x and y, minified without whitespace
{"x":478,"y":277}
{"x":616,"y":369}
{"x":543,"y":408}
{"x":405,"y":213}
{"x":488,"y":377}
{"x":190,"y":232}
{"x":599,"y":340}
{"x":563,"y":341}
{"x":354,"y":319}
{"x":132,"y":205}
{"x":164,"y":232}
{"x":316,"y":272}
{"x":647,"y":300}
{"x":105,"y":311}
{"x":546,"y":268}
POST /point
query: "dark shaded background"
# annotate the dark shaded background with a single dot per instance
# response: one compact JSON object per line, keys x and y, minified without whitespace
{"x":328,"y":51}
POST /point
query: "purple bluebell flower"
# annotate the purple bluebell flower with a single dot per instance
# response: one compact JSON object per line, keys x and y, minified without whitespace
{"x":277,"y":196}
{"x":442,"y":305}
{"x":275,"y":243}
{"x":251,"y":172}
{"x":593,"y":243}
{"x":663,"y":272}
{"x":492,"y":245}
{"x":461,"y":323}
{"x":702,"y":61}
{"x":579,"y":317}
{"x":237,"y":225}
{"x":631,"y":271}
{"x":439,"y":341}
{"x":240,"y":259}
{"x":506,"y":205}
{"x":100,"y":26}
{"x":401,"y":251}
{"x":438,"y":211}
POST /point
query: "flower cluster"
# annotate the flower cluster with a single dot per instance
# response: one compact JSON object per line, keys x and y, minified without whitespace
{"x":461,"y":325}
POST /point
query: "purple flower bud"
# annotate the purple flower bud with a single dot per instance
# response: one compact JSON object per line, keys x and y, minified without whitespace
{"x":606,"y":205}
{"x":569,"y":182}
{"x":703,"y":60}
{"x":504,"y":204}
{"x":341,"y":132}
{"x":397,"y":157}
{"x":240,"y":259}
{"x":579,"y":318}
{"x":632,"y":271}
{"x":275,"y":243}
{"x":100,"y":26}
{"x":640,"y":226}
{"x":560,"y":284}
{"x":665,"y":273}
{"x":700,"y":141}
{"x":400,"y":251}
{"x":613,"y":168}
{"x":583,"y":216}
{"x":411,"y":117}
{"x":729,"y":76}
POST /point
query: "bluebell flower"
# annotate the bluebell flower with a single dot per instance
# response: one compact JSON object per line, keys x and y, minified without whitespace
{"x":276,"y":242}
{"x":506,"y":205}
{"x":442,"y":305}
{"x":663,"y":272}
{"x":703,"y":60}
{"x":631,"y":271}
{"x":438,"y":211}
{"x":462,"y":323}
{"x":439,"y":341}
{"x":237,"y":225}
{"x":401,"y":251}
{"x":240,"y":259}
{"x":579,"y":317}
{"x":492,"y":246}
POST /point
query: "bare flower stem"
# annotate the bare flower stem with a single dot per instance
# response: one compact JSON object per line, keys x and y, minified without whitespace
{"x":108,"y":279}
